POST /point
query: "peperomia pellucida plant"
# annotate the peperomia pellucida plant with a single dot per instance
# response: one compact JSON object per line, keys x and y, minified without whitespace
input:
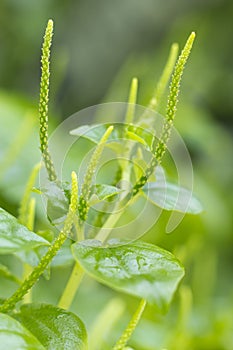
{"x":130,"y":266}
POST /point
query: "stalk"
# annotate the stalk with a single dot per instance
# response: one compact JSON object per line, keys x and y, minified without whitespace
{"x":71,"y":287}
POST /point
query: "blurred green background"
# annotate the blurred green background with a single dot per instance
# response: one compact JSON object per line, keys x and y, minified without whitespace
{"x":98,"y":47}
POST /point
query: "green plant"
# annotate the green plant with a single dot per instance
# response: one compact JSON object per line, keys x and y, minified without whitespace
{"x":137,"y":268}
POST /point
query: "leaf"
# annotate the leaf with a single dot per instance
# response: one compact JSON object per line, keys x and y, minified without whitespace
{"x":172,"y":197}
{"x":6,"y":273}
{"x":94,"y":133}
{"x":169,"y":196}
{"x":140,"y":269}
{"x":14,"y":336}
{"x":121,"y":130}
{"x":55,"y":328}
{"x":57,"y":202}
{"x":101,"y":192}
{"x":15,"y":237}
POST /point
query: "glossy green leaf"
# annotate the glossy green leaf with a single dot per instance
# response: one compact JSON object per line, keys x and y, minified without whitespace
{"x":101,"y":192}
{"x":15,"y":237}
{"x":137,"y":268}
{"x":55,"y":328}
{"x":13,"y":335}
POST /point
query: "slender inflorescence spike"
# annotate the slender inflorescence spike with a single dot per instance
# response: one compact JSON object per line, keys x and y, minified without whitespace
{"x":28,"y":283}
{"x":122,"y":342}
{"x":164,"y":79}
{"x":159,"y":149}
{"x":132,"y":100}
{"x":44,"y":100}
{"x":173,"y":98}
{"x":86,"y":187}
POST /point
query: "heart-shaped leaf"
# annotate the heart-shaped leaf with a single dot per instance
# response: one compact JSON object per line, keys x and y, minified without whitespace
{"x":15,"y":237}
{"x":55,"y":328}
{"x":137,"y":268}
{"x":14,"y":336}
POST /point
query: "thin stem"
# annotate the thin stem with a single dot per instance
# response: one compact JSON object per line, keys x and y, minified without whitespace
{"x":71,"y":287}
{"x":44,"y":100}
{"x":30,"y":225}
{"x":126,"y":335}
{"x":28,"y":283}
{"x":110,"y":223}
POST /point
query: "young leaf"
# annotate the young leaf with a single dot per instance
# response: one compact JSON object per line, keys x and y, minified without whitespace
{"x":14,"y":336}
{"x":55,"y":328}
{"x":15,"y":237}
{"x":138,"y":268}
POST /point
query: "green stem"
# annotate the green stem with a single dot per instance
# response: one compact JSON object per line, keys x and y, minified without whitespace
{"x":28,"y":283}
{"x":71,"y":287}
{"x":126,"y":335}
{"x":27,"y":269}
{"x":110,"y":223}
